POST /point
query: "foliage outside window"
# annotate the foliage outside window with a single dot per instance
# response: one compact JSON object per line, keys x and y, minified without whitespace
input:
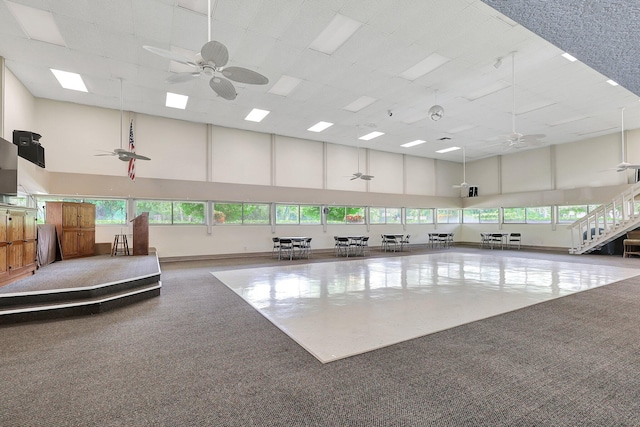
{"x":514,"y":215}
{"x":569,"y":214}
{"x":385,"y":215}
{"x":310,"y":214}
{"x":449,"y":216}
{"x":345,"y":215}
{"x":110,"y":211}
{"x":241,"y":213}
{"x":189,"y":213}
{"x":419,"y":216}
{"x":538,"y":215}
{"x":159,"y":210}
{"x":287,"y":214}
{"x":297,"y":214}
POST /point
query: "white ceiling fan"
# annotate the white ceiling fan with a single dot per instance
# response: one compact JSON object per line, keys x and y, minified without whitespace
{"x":464,"y":183}
{"x":516,"y":139}
{"x":624,"y":165}
{"x":211,"y":63}
{"x":123,"y":154}
{"x":360,"y":175}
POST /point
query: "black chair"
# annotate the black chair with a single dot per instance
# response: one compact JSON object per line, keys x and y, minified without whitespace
{"x":514,"y":239}
{"x":496,"y":239}
{"x":405,"y":241}
{"x":364,"y":246}
{"x":391,"y":240}
{"x":286,"y":248}
{"x":342,"y":246}
{"x":276,"y":246}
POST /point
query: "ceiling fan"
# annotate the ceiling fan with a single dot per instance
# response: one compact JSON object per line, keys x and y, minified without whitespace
{"x":623,"y":165}
{"x":516,"y":139}
{"x":464,"y":183}
{"x":211,"y":63}
{"x":360,"y":175}
{"x":122,"y":154}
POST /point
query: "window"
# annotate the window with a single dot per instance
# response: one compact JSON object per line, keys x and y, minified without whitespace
{"x":419,"y":216}
{"x":385,"y":215}
{"x":241,"y":213}
{"x":309,"y":214}
{"x":110,"y":211}
{"x":159,"y":211}
{"x":297,"y":214}
{"x":345,"y":215}
{"x":569,"y":214}
{"x":189,"y":213}
{"x":538,"y":215}
{"x":514,"y":215}
{"x":449,"y":216}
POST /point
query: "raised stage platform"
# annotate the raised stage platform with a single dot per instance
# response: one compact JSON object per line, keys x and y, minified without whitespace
{"x":81,"y":286}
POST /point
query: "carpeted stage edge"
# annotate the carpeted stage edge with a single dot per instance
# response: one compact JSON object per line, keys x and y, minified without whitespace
{"x":199,"y":355}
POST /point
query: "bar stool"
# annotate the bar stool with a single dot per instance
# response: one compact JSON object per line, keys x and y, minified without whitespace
{"x":120,"y":245}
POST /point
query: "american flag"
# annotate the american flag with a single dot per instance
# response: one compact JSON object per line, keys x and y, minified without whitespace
{"x":132,"y":148}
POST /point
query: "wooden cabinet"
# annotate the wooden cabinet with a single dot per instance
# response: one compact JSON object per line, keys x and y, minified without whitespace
{"x":17,"y":243}
{"x":75,"y":224}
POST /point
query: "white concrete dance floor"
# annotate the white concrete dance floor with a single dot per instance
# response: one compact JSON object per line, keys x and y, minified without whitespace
{"x":339,"y":309}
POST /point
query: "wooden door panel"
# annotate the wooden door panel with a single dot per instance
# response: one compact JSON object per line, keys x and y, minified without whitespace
{"x":87,"y":215}
{"x":69,"y":242}
{"x":4,"y":267}
{"x":15,"y":226}
{"x":70,"y":215}
{"x":29,"y":253}
{"x":86,"y":242}
{"x":15,"y":258}
{"x":3,"y":227}
{"x":29,"y":227}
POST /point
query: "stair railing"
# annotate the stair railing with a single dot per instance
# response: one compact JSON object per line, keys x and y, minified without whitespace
{"x":605,"y":221}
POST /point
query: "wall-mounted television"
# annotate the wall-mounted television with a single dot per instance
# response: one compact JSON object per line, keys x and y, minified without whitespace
{"x":29,"y":147}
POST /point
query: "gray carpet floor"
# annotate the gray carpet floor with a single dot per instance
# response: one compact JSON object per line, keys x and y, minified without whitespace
{"x":200,"y":356}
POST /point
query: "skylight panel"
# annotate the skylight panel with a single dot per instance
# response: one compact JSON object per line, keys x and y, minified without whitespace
{"x":37,"y":24}
{"x":256,"y":115}
{"x":69,"y":80}
{"x":569,"y":57}
{"x":175,"y":100}
{"x":285,"y":85}
{"x":413,"y":143}
{"x":360,"y":103}
{"x":320,"y":126}
{"x":339,"y":30}
{"x":371,"y":135}
{"x":425,"y":66}
{"x":447,"y":150}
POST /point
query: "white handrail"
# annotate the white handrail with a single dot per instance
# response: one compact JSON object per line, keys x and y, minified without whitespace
{"x":607,"y":222}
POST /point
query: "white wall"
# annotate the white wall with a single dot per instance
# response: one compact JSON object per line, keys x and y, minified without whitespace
{"x":202,"y":162}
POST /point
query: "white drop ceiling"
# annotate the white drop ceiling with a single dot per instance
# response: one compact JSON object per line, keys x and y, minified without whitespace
{"x":566,"y":101}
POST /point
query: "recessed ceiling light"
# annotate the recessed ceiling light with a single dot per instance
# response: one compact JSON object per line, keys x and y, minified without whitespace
{"x":612,"y":83}
{"x":425,"y":66}
{"x":569,"y":57}
{"x":285,"y":85}
{"x":360,"y":103}
{"x":371,"y":135}
{"x":320,"y":126}
{"x":36,"y":23}
{"x":413,"y":143}
{"x":69,"y":80}
{"x":339,"y":30}
{"x":446,"y":150}
{"x":175,"y":100}
{"x":256,"y":115}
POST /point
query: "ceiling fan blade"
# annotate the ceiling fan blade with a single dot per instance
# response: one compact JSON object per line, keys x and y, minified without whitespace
{"x":215,"y":52}
{"x":137,"y":156}
{"x":355,"y":177}
{"x":367,"y":177}
{"x":109,"y":154}
{"x":244,"y":75}
{"x":223,"y":88}
{"x":170,"y":55}
{"x":182,"y":77}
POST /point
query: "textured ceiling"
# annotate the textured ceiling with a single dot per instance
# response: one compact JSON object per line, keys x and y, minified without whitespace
{"x":566,"y":101}
{"x":604,"y":34}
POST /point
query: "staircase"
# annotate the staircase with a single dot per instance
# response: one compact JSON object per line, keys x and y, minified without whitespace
{"x":606,"y":223}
